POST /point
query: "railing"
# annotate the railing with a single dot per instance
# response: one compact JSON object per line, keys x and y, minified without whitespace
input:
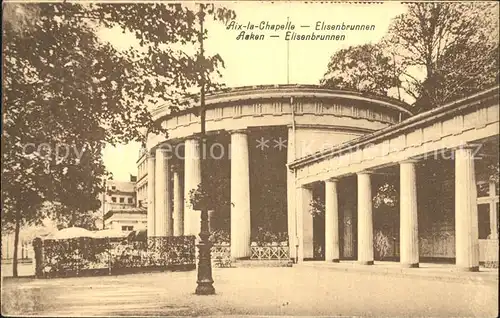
{"x":270,"y":252}
{"x":90,"y":256}
{"x":221,"y":255}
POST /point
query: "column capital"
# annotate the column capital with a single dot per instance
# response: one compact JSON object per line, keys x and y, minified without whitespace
{"x":409,"y":160}
{"x":304,"y":186}
{"x":164,"y":147}
{"x":238,"y":131}
{"x":368,"y":172}
{"x":333,"y":179}
{"x":196,"y":136}
{"x":468,"y":146}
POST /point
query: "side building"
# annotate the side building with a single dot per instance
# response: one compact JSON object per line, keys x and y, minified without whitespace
{"x":121,"y":209}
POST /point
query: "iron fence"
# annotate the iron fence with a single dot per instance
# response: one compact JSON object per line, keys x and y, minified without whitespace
{"x":105,"y":256}
{"x":270,"y":252}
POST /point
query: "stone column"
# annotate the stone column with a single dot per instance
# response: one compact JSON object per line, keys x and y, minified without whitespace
{"x":409,"y":256}
{"x":365,"y":219}
{"x":151,"y":196}
{"x":240,"y":195}
{"x":192,"y":178}
{"x":163,"y":217}
{"x":466,"y":219}
{"x":331,"y":221}
{"x":291,"y":213}
{"x":178,"y":214}
{"x":304,"y":223}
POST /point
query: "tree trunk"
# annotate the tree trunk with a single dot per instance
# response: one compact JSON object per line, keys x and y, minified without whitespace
{"x":16,"y":244}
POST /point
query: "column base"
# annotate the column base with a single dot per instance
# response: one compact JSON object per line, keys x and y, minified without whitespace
{"x":415,"y":265}
{"x":468,"y":269}
{"x":365,"y":262}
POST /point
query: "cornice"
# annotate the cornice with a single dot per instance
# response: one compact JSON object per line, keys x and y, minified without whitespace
{"x":489,"y":96}
{"x":252,"y":93}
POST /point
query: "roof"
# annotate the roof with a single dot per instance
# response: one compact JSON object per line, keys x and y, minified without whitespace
{"x":283,"y":91}
{"x":121,"y":186}
{"x":125,"y":211}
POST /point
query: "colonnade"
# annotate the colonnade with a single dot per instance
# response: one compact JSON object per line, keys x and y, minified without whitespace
{"x":466,"y":216}
{"x":179,"y":217}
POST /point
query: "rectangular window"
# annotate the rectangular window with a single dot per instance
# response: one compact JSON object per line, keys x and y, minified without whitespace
{"x":130,"y":200}
{"x":122,"y":200}
{"x":113,"y":199}
{"x":127,"y":228}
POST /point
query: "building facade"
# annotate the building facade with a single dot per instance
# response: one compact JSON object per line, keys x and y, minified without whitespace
{"x":126,"y":219}
{"x":142,"y":184}
{"x":119,"y":195}
{"x":335,"y":143}
{"x":120,"y":208}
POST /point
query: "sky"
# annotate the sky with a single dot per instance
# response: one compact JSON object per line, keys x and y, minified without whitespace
{"x":265,"y":62}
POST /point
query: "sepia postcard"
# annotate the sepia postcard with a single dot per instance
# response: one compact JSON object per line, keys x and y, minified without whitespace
{"x":250,"y":158}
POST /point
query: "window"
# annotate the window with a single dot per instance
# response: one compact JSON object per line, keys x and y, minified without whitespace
{"x":130,"y":200}
{"x":113,"y":199}
{"x":113,"y":188}
{"x":127,"y":228}
{"x":122,"y":200}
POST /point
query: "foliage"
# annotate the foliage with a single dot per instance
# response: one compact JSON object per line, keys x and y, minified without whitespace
{"x":65,"y":216}
{"x":382,"y":245}
{"x":430,"y":51}
{"x":203,"y":197}
{"x":219,"y":187}
{"x":365,"y":68}
{"x":387,"y":195}
{"x":83,"y":256}
{"x":220,"y":237}
{"x":65,"y":87}
{"x":263,"y":236}
{"x":215,"y":195}
{"x":442,"y":40}
{"x":317,"y":207}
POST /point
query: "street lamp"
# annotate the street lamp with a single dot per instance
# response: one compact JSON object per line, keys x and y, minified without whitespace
{"x":109,"y":176}
{"x":205,"y":281}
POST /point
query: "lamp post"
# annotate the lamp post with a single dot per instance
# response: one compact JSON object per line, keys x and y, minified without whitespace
{"x":108,"y":176}
{"x":205,"y":281}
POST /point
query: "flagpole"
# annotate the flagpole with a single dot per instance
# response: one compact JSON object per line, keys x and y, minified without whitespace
{"x":287,"y":56}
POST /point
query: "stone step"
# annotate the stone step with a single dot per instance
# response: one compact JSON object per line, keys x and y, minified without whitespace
{"x":262,"y":263}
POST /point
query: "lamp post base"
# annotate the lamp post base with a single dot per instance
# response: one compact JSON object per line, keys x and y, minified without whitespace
{"x":205,"y":288}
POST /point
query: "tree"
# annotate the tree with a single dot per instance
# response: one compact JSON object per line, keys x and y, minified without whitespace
{"x":67,"y":89}
{"x":442,"y":40}
{"x":63,"y":216}
{"x":362,"y":68}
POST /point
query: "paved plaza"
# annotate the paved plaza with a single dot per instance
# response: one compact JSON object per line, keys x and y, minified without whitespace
{"x":300,"y":290}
